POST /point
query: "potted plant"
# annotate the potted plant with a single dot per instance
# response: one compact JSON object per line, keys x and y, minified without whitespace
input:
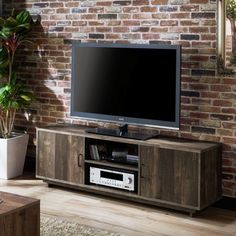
{"x":14,"y":95}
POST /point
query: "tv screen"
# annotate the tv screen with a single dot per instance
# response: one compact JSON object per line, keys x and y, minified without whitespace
{"x":128,"y":83}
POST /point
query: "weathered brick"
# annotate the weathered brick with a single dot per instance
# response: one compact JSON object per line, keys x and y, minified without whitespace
{"x":199,"y":115}
{"x":179,"y":2}
{"x":189,"y":8}
{"x":94,"y":9}
{"x":190,"y":93}
{"x":201,"y":15}
{"x":227,"y":176}
{"x":228,"y":95}
{"x":169,"y":22}
{"x":203,"y":72}
{"x":229,"y":110}
{"x":107,"y":16}
{"x":104,"y":3}
{"x":159,"y":2}
{"x":148,"y":9}
{"x":210,"y":123}
{"x":200,"y":129}
{"x":189,"y":107}
{"x":120,"y":29}
{"x":42,"y":4}
{"x":225,"y":132}
{"x":198,"y":29}
{"x":113,"y":9}
{"x":168,"y":8}
{"x":229,"y":125}
{"x":140,"y":29}
{"x":140,"y":2}
{"x":198,"y":1}
{"x":222,"y":117}
{"x":199,"y":87}
{"x":189,"y":37}
{"x":230,"y":140}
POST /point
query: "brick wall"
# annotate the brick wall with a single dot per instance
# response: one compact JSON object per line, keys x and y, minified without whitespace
{"x":208,"y":101}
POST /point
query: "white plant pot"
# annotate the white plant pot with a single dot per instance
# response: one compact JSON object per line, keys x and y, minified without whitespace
{"x":12,"y":155}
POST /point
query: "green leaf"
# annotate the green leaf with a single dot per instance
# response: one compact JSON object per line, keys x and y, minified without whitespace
{"x":26,"y":98}
{"x":10,"y":22}
{"x":23,"y":17}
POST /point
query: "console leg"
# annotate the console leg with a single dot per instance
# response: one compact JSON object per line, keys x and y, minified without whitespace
{"x":192,"y":214}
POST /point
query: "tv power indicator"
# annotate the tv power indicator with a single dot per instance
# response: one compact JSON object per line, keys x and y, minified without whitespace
{"x":121,"y":118}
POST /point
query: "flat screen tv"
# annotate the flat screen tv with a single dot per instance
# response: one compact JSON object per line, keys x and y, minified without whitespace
{"x":126,"y":83}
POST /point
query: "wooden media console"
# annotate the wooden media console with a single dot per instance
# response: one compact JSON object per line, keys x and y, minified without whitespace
{"x":169,"y":172}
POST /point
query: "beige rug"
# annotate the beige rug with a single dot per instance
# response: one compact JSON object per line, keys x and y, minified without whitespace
{"x":54,"y":226}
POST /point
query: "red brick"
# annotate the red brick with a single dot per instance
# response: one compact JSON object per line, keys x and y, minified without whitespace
{"x":140,"y":2}
{"x":225,"y":132}
{"x":198,"y":87}
{"x":130,"y":9}
{"x":105,"y":3}
{"x":199,"y":58}
{"x":189,"y":22}
{"x":148,"y":9}
{"x":227,"y":192}
{"x":209,"y":109}
{"x":103,"y":29}
{"x":131,"y":23}
{"x":222,"y":103}
{"x":189,"y":107}
{"x":229,"y":110}
{"x":120,"y":29}
{"x":169,"y":22}
{"x":230,"y":141}
{"x":229,"y":184}
{"x":198,"y":29}
{"x":199,"y":115}
{"x":210,"y":138}
{"x":229,"y":125}
{"x":207,"y":94}
{"x":198,"y":1}
{"x":113,"y":36}
{"x":49,"y":119}
{"x":229,"y":81}
{"x":180,"y":15}
{"x":221,"y":88}
{"x":159,"y":2}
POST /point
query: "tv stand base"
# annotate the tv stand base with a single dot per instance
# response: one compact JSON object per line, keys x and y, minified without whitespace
{"x":122,"y":134}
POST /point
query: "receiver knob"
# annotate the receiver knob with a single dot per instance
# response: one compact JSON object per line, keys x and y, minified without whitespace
{"x":129,"y":180}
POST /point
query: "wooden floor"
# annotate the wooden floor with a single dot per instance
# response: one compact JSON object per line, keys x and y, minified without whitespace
{"x":121,"y":216}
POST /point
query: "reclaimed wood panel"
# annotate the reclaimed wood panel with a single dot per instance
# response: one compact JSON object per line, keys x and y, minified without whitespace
{"x":210,"y":177}
{"x":19,"y":216}
{"x":69,"y":155}
{"x":169,"y":175}
{"x":46,"y":148}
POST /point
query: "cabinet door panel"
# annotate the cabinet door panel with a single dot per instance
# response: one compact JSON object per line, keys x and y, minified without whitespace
{"x":60,"y":157}
{"x":69,"y":158}
{"x":46,"y":154}
{"x":170,"y":175}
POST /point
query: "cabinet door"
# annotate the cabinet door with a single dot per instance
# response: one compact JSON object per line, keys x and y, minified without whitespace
{"x":61,"y":157}
{"x":46,"y":154}
{"x":69,"y":165}
{"x":169,"y":175}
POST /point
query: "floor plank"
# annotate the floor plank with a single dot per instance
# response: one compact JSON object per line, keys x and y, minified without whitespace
{"x":122,"y":216}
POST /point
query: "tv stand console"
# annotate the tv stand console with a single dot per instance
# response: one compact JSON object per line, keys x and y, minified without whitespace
{"x":169,"y":172}
{"x":122,"y":132}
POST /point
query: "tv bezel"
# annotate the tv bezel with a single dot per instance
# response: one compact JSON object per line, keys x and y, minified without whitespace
{"x":123,"y":119}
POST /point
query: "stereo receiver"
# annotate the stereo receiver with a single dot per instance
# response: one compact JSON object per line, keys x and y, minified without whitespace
{"x":113,"y":177}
